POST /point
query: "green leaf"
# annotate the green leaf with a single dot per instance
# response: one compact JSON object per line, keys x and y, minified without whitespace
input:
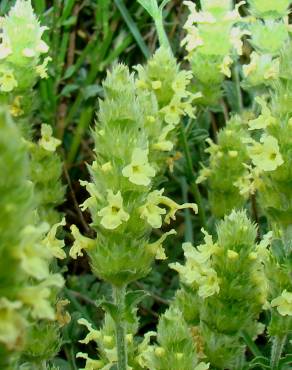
{"x":69,"y":72}
{"x":135,"y":297}
{"x":68,"y":89}
{"x":92,"y":91}
{"x":259,"y":362}
{"x":111,"y":309}
{"x":132,"y":27}
{"x":150,"y":6}
{"x":287,"y":360}
{"x":131,"y":301}
{"x":231,"y":95}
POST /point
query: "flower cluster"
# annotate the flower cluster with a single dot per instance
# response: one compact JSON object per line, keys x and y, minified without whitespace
{"x":123,"y":202}
{"x":172,"y":99}
{"x":175,"y":348}
{"x":213,"y":38}
{"x":28,"y":287}
{"x":226,"y":167}
{"x":21,"y":51}
{"x":269,"y":31}
{"x":230,"y":270}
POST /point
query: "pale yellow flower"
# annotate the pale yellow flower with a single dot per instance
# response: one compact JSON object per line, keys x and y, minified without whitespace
{"x":157,"y":248}
{"x":81,"y":242}
{"x":93,"y":334}
{"x":7,"y":80}
{"x":42,"y":69}
{"x":12,"y":324}
{"x":283,"y":303}
{"x":113,"y":215}
{"x":53,"y":244}
{"x":266,"y":155}
{"x":15,"y":108}
{"x":151,"y":211}
{"x":163,"y":144}
{"x":139,"y":170}
{"x":265,"y":119}
{"x":47,"y":141}
{"x":90,"y":363}
{"x":225,"y":66}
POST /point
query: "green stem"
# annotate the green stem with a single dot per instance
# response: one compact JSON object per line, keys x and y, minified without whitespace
{"x":277,"y":349}
{"x":119,"y":298}
{"x":162,"y":37}
{"x":192,"y":177}
{"x":251,"y":344}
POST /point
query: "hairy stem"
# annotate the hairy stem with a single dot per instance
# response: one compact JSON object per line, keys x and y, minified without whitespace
{"x":277,"y":349}
{"x":119,"y":298}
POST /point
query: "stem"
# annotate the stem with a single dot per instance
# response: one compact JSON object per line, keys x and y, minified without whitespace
{"x":277,"y":349}
{"x":119,"y":298}
{"x":162,"y":37}
{"x":236,"y":79}
{"x":192,"y":178}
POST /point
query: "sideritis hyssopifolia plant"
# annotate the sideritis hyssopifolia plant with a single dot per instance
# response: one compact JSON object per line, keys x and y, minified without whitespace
{"x":28,"y":284}
{"x":224,"y":289}
{"x":124,"y":201}
{"x":21,"y":65}
{"x":213,"y":43}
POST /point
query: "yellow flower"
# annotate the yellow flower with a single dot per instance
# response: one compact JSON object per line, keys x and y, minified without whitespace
{"x":266,"y":156}
{"x":179,"y":85}
{"x":113,"y":215}
{"x":235,"y":38}
{"x":283,"y":303}
{"x":208,"y":284}
{"x":157,"y":248}
{"x":12,"y":325}
{"x":53,"y":244}
{"x":197,"y":271}
{"x":15,"y":109}
{"x":90,"y":363}
{"x":265,"y":119}
{"x":38,"y":297}
{"x":173,"y":111}
{"x":41,"y":69}
{"x":34,"y":258}
{"x":151,"y":212}
{"x":193,"y":40}
{"x":94,"y":195}
{"x":232,"y":255}
{"x":163,"y":144}
{"x":225,"y":66}
{"x":93,"y":334}
{"x":80,"y":242}
{"x":47,"y":141}
{"x":204,"y":174}
{"x":107,"y":167}
{"x":139,"y":171}
{"x":7,"y":80}
{"x":250,"y":182}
